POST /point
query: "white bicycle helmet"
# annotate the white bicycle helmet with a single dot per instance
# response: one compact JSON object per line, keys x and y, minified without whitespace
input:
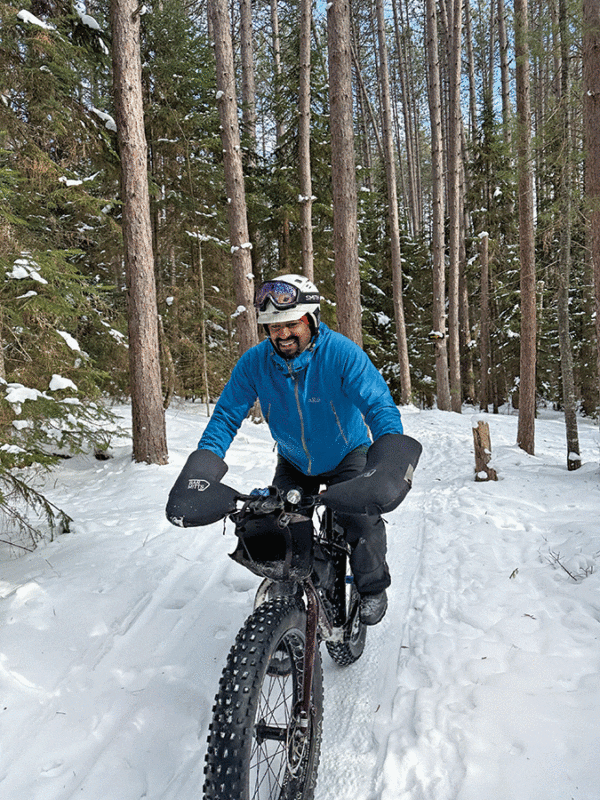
{"x":287,"y":298}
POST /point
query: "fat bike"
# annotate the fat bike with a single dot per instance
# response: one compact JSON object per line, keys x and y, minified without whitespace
{"x":265,"y":735}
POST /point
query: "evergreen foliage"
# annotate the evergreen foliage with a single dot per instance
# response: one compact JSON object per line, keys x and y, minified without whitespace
{"x":63,"y":299}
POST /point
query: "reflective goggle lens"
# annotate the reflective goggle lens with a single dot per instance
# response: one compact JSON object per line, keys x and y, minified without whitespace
{"x":280,"y":293}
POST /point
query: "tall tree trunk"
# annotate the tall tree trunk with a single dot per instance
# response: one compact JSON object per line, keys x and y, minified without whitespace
{"x":410,"y":137}
{"x":345,"y":225}
{"x":467,"y":368}
{"x":284,"y":245}
{"x":437,"y":233}
{"x":248,"y":83}
{"x":148,"y":418}
{"x":366,"y":100}
{"x":564,"y":270}
{"x":234,"y":177}
{"x":527,"y":379}
{"x":471,"y":72}
{"x":203,"y":335}
{"x":484,"y":316}
{"x":2,"y":362}
{"x":393,"y":221}
{"x":591,"y":118}
{"x":504,"y":71}
{"x":249,"y":122}
{"x":305,"y":182}
{"x":279,"y":125}
{"x":454,"y":200}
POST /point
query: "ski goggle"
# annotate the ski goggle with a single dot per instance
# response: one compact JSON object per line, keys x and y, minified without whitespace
{"x":283,"y":295}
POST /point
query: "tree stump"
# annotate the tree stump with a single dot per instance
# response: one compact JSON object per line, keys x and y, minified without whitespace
{"x":483,"y":452}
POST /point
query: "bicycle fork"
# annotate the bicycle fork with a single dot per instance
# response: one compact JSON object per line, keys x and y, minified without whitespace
{"x":315,"y":620}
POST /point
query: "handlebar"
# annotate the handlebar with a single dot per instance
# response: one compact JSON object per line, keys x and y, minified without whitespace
{"x":277,"y":500}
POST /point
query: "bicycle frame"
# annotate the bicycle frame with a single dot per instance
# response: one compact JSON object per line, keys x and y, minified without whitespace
{"x":318,"y":622}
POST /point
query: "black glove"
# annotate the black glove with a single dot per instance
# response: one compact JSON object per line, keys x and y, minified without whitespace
{"x":197,"y":496}
{"x":385,"y":482}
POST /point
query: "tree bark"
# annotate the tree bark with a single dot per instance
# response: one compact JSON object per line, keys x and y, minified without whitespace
{"x":410,"y":135}
{"x":527,"y":378}
{"x":504,"y":71}
{"x":483,"y":453}
{"x":248,"y":83}
{"x":484,"y":316}
{"x":564,"y":260}
{"x":591,"y":118}
{"x":366,"y":100}
{"x":454,"y":201}
{"x":234,"y":177}
{"x":305,"y":181}
{"x":148,"y":418}
{"x":343,"y":175}
{"x":393,"y":221}
{"x":439,"y":334}
{"x":471,"y":73}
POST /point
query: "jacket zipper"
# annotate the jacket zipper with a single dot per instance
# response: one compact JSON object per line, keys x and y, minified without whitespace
{"x":302,"y":438}
{"x":339,"y":424}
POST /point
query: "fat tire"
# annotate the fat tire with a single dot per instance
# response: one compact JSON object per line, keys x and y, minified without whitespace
{"x":351,"y":648}
{"x":234,"y":768}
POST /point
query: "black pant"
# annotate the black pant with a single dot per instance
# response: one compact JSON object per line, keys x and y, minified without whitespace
{"x":364,"y":533}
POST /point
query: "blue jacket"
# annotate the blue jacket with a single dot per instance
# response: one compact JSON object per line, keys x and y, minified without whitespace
{"x":317,"y":406}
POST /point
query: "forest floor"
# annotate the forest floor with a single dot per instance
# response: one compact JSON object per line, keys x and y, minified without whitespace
{"x":481,"y":683}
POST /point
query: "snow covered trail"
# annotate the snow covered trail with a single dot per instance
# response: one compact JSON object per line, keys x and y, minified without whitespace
{"x":496,"y":691}
{"x":482,"y":681}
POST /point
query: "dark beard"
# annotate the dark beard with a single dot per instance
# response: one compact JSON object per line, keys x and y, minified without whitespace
{"x":288,"y":356}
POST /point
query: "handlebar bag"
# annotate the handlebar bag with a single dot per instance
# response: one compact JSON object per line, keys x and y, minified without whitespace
{"x":278,"y":546}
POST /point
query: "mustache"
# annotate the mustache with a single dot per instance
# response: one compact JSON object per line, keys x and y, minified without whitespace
{"x":290,"y":339}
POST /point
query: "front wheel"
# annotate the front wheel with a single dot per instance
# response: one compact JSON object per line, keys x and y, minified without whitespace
{"x":259,"y":745}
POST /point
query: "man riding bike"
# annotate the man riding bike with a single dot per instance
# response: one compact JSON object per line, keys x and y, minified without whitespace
{"x":328,"y":409}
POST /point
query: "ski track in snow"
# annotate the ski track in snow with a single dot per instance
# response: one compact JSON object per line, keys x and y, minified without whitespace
{"x":481,"y":683}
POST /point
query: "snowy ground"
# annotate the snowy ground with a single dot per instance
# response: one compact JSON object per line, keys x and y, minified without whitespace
{"x":482,"y":682}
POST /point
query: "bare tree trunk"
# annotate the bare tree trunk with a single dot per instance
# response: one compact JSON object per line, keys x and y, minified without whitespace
{"x":148,"y":418}
{"x":484,"y":315}
{"x":410,"y":137}
{"x":467,"y":368}
{"x":437,"y":233}
{"x":504,"y":71}
{"x":367,"y":101}
{"x":279,"y":126}
{"x":203,"y":336}
{"x":284,"y":244}
{"x":2,"y":362}
{"x":248,"y":83}
{"x":564,"y":270}
{"x":306,"y":198}
{"x":366,"y":176}
{"x":249,"y":120}
{"x":471,"y":66}
{"x":234,"y":177}
{"x":527,"y":380}
{"x":393,"y":221}
{"x":454,"y":202}
{"x":345,"y":225}
{"x":591,"y":118}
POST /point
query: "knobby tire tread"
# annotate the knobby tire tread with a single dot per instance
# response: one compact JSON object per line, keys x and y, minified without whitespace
{"x":351,"y":648}
{"x":232,"y":730}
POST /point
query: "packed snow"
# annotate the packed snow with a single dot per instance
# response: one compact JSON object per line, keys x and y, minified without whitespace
{"x":481,"y":683}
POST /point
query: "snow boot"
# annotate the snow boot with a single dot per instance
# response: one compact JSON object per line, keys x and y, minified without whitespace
{"x":373,"y":608}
